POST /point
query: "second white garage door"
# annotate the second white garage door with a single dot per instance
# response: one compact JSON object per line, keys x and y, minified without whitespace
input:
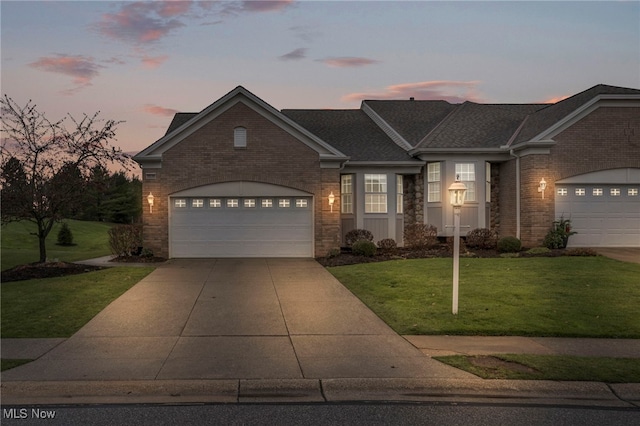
{"x":241,"y":226}
{"x":604,"y":208}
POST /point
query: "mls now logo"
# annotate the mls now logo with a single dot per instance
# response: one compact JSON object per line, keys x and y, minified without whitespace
{"x":23,"y":413}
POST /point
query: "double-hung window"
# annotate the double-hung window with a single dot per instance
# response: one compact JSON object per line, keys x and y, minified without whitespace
{"x":346,"y":194}
{"x":433,"y":183}
{"x":375,"y":193}
{"x":466,"y":173}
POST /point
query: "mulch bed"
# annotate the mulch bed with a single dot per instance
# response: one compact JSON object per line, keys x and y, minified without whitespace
{"x":45,"y":270}
{"x":443,"y":250}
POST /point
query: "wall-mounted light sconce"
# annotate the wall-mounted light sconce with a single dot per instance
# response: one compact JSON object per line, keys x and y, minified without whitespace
{"x":332,"y":199}
{"x":542,"y":186}
{"x":150,"y":199}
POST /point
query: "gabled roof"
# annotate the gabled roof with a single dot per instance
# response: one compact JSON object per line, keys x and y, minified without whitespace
{"x":547,"y":117}
{"x":185,"y":124}
{"x":473,"y":125}
{"x":411,"y":119}
{"x":350,"y":131}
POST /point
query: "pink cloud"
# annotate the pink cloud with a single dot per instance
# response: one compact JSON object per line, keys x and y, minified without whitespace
{"x":81,"y":68}
{"x":158,"y":110}
{"x":555,"y":99}
{"x":348,"y":61}
{"x":152,"y":62}
{"x":143,"y":22}
{"x":451,"y":91}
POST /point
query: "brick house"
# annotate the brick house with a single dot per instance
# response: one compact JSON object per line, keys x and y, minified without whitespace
{"x":242,"y":179}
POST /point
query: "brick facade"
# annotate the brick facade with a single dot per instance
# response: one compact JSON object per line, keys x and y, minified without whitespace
{"x":608,"y":138}
{"x":272,"y":156}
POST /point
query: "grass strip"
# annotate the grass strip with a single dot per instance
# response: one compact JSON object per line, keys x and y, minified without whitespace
{"x":548,"y":367}
{"x":562,"y":296}
{"x":58,"y":307}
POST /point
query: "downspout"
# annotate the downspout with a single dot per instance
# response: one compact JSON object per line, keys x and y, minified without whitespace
{"x":517,"y":157}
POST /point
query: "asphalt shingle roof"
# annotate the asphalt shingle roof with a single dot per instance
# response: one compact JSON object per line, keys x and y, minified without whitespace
{"x":547,"y":117}
{"x":350,"y":131}
{"x":179,"y":119}
{"x":413,"y":120}
{"x":474,"y":125}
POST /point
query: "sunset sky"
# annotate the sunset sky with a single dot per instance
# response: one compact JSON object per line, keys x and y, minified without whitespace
{"x":142,"y":61}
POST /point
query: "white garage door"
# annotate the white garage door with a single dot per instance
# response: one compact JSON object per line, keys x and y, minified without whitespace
{"x":603,"y":215}
{"x":241,"y":226}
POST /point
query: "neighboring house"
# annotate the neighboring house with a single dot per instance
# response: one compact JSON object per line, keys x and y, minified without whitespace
{"x":242,"y":179}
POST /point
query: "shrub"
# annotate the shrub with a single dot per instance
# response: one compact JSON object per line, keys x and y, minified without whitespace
{"x":124,"y":240}
{"x":65,"y":236}
{"x":580,"y":251}
{"x":356,"y":235}
{"x":419,"y":235}
{"x":334,"y":252}
{"x":363,"y":248}
{"x":387,"y":244}
{"x":146,"y":252}
{"x":482,"y":238}
{"x":509,"y":245}
{"x":559,"y":234}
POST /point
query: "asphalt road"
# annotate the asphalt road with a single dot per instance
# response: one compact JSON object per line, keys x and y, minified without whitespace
{"x":320,"y":414}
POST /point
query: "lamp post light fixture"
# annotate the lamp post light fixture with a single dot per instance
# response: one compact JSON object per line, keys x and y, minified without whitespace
{"x":542,"y":186}
{"x":332,"y":199}
{"x":150,"y":199}
{"x":457,"y":191}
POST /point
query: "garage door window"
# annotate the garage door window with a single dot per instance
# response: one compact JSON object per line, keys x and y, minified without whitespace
{"x":301,"y":203}
{"x":232,"y":203}
{"x":284,"y":203}
{"x":249,"y":203}
{"x":580,"y":192}
{"x":180,"y":203}
{"x":267,"y":203}
{"x":197,"y":203}
{"x":215,"y":203}
{"x":615,"y":192}
{"x":597,"y":192}
{"x":632,"y":192}
{"x":562,"y":192}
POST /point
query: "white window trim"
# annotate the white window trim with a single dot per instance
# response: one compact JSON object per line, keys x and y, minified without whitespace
{"x":434,"y":186}
{"x":375,"y":197}
{"x":346,"y":194}
{"x":468,"y":177}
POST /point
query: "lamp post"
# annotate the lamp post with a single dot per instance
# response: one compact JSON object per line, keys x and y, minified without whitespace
{"x":456,"y":191}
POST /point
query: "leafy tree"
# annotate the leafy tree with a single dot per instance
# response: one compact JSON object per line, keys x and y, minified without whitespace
{"x":45,"y":164}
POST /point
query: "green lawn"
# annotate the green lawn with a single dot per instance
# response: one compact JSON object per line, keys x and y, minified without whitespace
{"x":552,"y":367}
{"x":561,"y":296}
{"x":20,"y":247}
{"x":58,"y":307}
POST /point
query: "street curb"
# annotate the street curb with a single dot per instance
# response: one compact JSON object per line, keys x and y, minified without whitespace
{"x":318,"y":391}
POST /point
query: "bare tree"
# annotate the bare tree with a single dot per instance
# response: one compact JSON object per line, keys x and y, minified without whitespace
{"x":45,"y":164}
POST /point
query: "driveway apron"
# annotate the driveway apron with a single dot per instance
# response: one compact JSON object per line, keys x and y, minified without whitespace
{"x":234,"y":319}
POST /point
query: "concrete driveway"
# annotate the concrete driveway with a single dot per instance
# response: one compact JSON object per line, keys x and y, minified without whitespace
{"x":625,"y":254}
{"x":234,"y":319}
